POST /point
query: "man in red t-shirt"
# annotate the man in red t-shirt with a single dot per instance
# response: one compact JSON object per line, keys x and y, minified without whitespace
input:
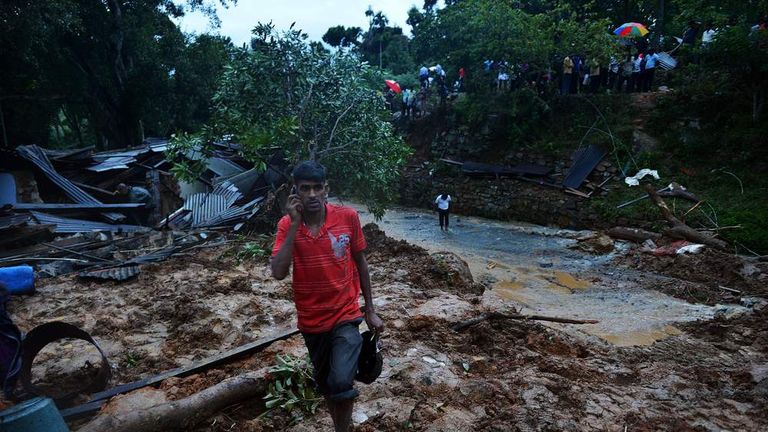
{"x":325,"y":244}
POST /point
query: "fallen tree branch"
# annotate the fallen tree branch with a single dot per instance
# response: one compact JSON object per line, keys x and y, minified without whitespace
{"x":693,"y":208}
{"x":735,"y":291}
{"x":184,"y":413}
{"x":498,"y":315}
{"x":636,"y":235}
{"x":675,"y":190}
{"x":679,"y":229}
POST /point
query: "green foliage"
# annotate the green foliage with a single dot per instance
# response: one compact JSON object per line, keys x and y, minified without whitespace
{"x":382,"y":45}
{"x":132,"y":359}
{"x":340,"y":36}
{"x":103,"y":73}
{"x":253,"y":250}
{"x":292,"y":388}
{"x":180,"y":146}
{"x":313,"y":105}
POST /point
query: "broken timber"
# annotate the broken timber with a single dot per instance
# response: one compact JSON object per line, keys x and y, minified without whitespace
{"x":76,"y":207}
{"x":498,"y":315}
{"x":632,"y":234}
{"x":184,"y":413}
{"x":98,"y":399}
{"x":679,"y":229}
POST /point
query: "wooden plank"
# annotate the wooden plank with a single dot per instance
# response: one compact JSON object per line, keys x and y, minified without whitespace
{"x":153,"y":178}
{"x":19,"y":236}
{"x":94,"y":188}
{"x":98,"y":399}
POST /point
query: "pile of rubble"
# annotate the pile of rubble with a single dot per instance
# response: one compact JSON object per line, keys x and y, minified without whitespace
{"x":60,"y":211}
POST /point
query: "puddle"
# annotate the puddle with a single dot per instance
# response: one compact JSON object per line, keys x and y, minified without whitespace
{"x":640,"y":337}
{"x":535,"y":271}
{"x":567,"y":280}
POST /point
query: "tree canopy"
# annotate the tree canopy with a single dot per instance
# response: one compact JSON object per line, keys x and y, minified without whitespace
{"x":313,"y":105}
{"x":103,"y":72}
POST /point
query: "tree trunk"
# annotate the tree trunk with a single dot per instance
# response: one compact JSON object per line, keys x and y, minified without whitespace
{"x":679,"y":229}
{"x":184,"y":413}
{"x":632,"y":234}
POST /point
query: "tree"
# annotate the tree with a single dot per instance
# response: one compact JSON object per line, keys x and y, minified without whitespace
{"x":340,"y":36}
{"x":313,"y":105}
{"x":106,"y":65}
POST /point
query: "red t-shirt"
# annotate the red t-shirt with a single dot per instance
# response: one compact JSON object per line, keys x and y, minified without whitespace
{"x":326,"y":284}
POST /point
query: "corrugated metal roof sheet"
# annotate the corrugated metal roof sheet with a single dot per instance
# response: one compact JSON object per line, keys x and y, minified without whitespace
{"x":232,"y":214}
{"x":36,"y":155}
{"x":112,"y":163}
{"x":243,"y":181}
{"x":156,"y":144}
{"x":69,"y":225}
{"x":12,"y":220}
{"x":228,"y":191}
{"x":204,"y":206}
{"x":224,"y":167}
{"x":583,"y":165}
{"x":207,"y":208}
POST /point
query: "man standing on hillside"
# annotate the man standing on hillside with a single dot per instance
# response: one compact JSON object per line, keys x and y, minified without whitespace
{"x":565,"y":82}
{"x":325,"y":244}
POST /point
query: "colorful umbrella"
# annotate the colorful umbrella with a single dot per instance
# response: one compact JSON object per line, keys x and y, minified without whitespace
{"x":393,"y":85}
{"x":631,"y":29}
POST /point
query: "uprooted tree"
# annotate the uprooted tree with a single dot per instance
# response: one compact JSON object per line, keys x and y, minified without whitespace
{"x":280,"y":92}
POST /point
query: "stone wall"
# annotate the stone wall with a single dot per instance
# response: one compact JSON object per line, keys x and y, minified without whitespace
{"x":503,"y":199}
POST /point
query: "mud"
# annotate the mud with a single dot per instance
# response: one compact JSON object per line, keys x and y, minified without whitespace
{"x":701,"y":278}
{"x":174,"y":313}
{"x":513,"y":375}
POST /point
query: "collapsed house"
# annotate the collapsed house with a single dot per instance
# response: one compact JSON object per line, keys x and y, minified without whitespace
{"x":59,"y":211}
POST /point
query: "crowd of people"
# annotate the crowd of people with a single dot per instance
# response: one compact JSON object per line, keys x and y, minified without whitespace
{"x":635,"y":73}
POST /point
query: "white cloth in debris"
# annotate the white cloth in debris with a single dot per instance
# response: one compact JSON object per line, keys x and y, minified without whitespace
{"x":635,"y":180}
{"x":690,"y":249}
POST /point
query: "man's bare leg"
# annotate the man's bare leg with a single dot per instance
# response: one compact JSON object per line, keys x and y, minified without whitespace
{"x":331,"y":408}
{"x":343,"y":415}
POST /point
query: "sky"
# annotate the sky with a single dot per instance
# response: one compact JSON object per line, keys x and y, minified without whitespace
{"x":314,"y":17}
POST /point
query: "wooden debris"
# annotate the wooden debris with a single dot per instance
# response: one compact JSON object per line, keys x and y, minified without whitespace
{"x":675,"y":190}
{"x":18,"y":236}
{"x":679,"y":229}
{"x":735,"y":291}
{"x":184,"y":413}
{"x":636,"y":235}
{"x":498,"y":315}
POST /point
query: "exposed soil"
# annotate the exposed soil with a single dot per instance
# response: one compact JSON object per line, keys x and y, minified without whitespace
{"x":699,"y":278}
{"x":496,"y":375}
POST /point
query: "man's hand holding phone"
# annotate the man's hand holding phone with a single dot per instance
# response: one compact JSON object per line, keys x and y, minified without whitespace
{"x":295,"y":208}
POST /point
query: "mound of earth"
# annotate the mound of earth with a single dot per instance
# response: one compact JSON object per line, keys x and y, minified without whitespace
{"x":442,"y":270}
{"x":699,"y":278}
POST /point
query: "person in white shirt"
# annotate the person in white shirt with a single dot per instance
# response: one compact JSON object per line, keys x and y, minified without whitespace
{"x":443,"y":202}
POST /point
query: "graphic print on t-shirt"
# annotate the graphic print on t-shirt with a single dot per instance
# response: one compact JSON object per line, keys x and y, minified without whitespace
{"x":340,"y":244}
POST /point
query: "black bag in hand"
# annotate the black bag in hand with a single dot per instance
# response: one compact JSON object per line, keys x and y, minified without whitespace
{"x":370,"y":362}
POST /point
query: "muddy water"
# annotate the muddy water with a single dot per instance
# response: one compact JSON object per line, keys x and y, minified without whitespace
{"x":531,"y":268}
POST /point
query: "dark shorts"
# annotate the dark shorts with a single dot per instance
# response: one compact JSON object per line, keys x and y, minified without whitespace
{"x":334,"y":356}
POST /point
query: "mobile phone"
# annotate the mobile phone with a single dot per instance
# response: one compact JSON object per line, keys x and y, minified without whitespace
{"x":293,"y":190}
